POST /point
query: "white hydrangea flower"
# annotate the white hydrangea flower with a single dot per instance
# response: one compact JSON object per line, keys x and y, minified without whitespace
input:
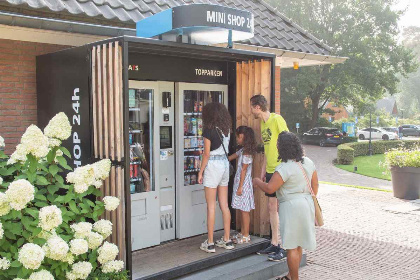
{"x":19,"y":193}
{"x":107,"y":252}
{"x":41,"y":275}
{"x":94,"y":240}
{"x":69,"y":258}
{"x":35,"y":142}
{"x":104,"y":227}
{"x":113,"y":266}
{"x":31,"y":256}
{"x":56,"y":248}
{"x":52,"y":142}
{"x":19,"y":155}
{"x":111,"y":202}
{"x":59,"y":127}
{"x":1,"y":180}
{"x":4,"y":264}
{"x":80,"y":188}
{"x":2,"y":145}
{"x":82,"y":269}
{"x":18,"y":279}
{"x":50,"y":217}
{"x":82,"y":178}
{"x":4,"y":204}
{"x":1,"y":231}
{"x":97,"y":184}
{"x":102,"y":169}
{"x":82,"y":229}
{"x":70,"y":275}
{"x":79,"y":246}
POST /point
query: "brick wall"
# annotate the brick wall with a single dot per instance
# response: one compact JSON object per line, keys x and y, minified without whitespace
{"x":277,"y":90}
{"x":18,"y":87}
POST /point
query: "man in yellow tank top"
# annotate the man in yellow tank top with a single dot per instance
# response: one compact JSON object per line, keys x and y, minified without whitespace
{"x":271,"y":126}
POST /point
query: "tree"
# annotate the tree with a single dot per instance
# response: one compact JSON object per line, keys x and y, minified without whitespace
{"x":363,"y":30}
{"x":409,"y":95}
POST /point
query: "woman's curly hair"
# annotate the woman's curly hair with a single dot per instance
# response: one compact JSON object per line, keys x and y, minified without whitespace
{"x":216,"y":115}
{"x":289,"y":147}
{"x":250,"y":144}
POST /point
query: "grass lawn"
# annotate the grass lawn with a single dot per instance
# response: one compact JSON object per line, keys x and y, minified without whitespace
{"x":368,"y":166}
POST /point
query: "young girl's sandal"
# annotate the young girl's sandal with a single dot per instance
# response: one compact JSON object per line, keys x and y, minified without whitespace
{"x":283,"y":278}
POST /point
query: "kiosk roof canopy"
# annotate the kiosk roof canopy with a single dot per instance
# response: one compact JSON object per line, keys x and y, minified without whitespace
{"x":272,"y":29}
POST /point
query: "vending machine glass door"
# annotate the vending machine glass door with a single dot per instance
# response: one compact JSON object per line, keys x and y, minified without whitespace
{"x":191,"y":203}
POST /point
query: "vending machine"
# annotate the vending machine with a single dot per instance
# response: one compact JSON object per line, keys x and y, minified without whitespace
{"x":166,"y":145}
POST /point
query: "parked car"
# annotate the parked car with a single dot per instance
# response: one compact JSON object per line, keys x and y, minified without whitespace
{"x":377,"y":133}
{"x":391,"y":129}
{"x":411,"y":130}
{"x":323,"y":136}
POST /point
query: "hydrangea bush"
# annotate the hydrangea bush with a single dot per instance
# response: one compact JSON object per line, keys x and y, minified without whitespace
{"x":49,"y":225}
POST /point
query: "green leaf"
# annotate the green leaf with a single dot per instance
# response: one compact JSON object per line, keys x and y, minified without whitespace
{"x":16,"y":263}
{"x":10,"y":235}
{"x":63,"y":162}
{"x":41,"y":197}
{"x":36,"y":231}
{"x":27,"y":222}
{"x":65,"y":151}
{"x":73,"y":207}
{"x":33,"y":163}
{"x":20,"y":242}
{"x":52,"y":189}
{"x":54,"y":169}
{"x":51,"y":155}
{"x":41,"y":204}
{"x":40,"y":180}
{"x":33,"y":212}
{"x":59,"y":199}
{"x":59,"y":179}
{"x":16,"y":228}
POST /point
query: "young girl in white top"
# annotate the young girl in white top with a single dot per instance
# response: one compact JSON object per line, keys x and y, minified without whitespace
{"x":243,"y":194}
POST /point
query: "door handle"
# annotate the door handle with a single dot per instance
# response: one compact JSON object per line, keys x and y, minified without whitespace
{"x":162,"y":222}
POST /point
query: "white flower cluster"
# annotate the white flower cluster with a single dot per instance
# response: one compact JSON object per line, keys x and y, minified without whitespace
{"x":107,"y":252}
{"x":94,"y":240}
{"x":41,"y":275}
{"x":82,"y":229}
{"x":79,"y":246}
{"x":80,"y":270}
{"x":4,"y":204}
{"x":19,"y":193}
{"x":31,"y":256}
{"x":89,"y":175}
{"x":59,"y":127}
{"x":1,"y":231}
{"x":35,"y":142}
{"x":56,"y":248}
{"x":103,"y":227}
{"x":50,"y":217}
{"x":2,"y":142}
{"x":47,"y":234}
{"x":1,"y":180}
{"x":111,"y":202}
{"x":69,"y":258}
{"x":19,"y":155}
{"x":112,"y":266}
{"x":4,"y":264}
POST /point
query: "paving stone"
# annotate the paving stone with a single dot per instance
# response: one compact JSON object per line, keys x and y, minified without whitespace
{"x":361,"y":240}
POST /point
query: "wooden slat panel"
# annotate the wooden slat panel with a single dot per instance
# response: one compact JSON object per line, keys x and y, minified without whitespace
{"x":111,"y":94}
{"x":120,"y":87}
{"x":105,"y":100}
{"x":94,"y":104}
{"x":245,"y":103}
{"x":114,"y":213}
{"x":238,"y":94}
{"x":118,"y":100}
{"x":244,"y":95}
{"x":99,"y":101}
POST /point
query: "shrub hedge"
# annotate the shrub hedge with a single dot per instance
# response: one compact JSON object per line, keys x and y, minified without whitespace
{"x":349,"y":139}
{"x":346,"y":152}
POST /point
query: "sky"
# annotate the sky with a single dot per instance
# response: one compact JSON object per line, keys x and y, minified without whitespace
{"x":411,"y":17}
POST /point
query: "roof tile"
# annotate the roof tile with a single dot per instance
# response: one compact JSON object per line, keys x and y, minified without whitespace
{"x":272,"y":29}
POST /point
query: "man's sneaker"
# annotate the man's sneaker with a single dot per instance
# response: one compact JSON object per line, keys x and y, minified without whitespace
{"x":208,"y":247}
{"x":228,"y":245}
{"x":271,"y":249}
{"x":278,"y":256}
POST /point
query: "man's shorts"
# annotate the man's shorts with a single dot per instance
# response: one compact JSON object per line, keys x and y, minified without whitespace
{"x":216,"y":173}
{"x":267,"y":179}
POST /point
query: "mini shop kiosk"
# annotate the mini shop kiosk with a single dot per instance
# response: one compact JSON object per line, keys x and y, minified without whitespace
{"x":138,"y":102}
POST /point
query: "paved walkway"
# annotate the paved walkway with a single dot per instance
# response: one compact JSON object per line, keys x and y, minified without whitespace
{"x":327,"y":172}
{"x":368,"y":235}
